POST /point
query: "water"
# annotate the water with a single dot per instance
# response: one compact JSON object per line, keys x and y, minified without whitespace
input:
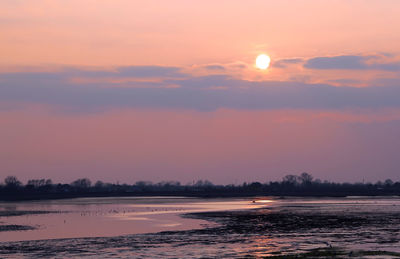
{"x":131,"y":227}
{"x":100,"y":217}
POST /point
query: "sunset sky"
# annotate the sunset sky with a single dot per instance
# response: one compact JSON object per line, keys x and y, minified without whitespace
{"x":168,"y":90}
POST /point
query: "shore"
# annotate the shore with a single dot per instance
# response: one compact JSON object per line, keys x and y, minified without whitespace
{"x":289,"y":228}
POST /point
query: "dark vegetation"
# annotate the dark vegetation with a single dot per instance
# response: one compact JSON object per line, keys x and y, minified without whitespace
{"x":337,"y":253}
{"x":290,"y":185}
{"x":15,"y":228}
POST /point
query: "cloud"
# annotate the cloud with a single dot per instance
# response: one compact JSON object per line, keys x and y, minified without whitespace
{"x":214,"y":67}
{"x":203,"y":93}
{"x":338,"y":62}
{"x":348,"y":82}
{"x":149,"y":71}
{"x":353,"y":62}
{"x":394,"y":66}
{"x":282,"y":63}
{"x":120,"y":72}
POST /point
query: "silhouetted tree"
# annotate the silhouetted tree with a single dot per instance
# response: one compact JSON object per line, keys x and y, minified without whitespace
{"x":38,"y":183}
{"x":202,"y":183}
{"x":99,"y":185}
{"x":290,"y":179}
{"x":82,"y":183}
{"x":12,"y":182}
{"x":255,"y":186}
{"x":143,"y":183}
{"x":291,"y":185}
{"x":388,"y":182}
{"x":306,"y":178}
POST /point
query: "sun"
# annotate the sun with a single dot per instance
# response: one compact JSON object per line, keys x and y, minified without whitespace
{"x":262,"y":61}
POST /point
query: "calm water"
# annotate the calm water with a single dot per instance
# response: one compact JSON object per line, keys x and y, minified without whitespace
{"x":131,"y":227}
{"x":100,"y":217}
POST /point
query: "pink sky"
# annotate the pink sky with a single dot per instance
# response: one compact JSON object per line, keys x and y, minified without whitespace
{"x":167,"y":90}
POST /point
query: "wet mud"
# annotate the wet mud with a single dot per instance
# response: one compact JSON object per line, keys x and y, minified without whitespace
{"x":281,"y":232}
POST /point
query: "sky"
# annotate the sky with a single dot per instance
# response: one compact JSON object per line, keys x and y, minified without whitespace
{"x":168,"y":90}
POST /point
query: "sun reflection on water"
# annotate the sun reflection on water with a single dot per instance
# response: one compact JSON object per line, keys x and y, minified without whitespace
{"x":263,"y":201}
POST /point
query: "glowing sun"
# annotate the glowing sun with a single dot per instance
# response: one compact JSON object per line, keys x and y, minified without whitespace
{"x":262,"y":61}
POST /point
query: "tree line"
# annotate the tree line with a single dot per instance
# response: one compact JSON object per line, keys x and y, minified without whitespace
{"x":290,"y":185}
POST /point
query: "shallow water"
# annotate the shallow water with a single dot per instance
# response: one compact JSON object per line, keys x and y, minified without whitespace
{"x":233,"y":228}
{"x":100,"y":217}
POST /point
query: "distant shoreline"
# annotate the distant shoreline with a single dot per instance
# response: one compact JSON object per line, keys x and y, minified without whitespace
{"x":57,"y":196}
{"x":303,"y":185}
